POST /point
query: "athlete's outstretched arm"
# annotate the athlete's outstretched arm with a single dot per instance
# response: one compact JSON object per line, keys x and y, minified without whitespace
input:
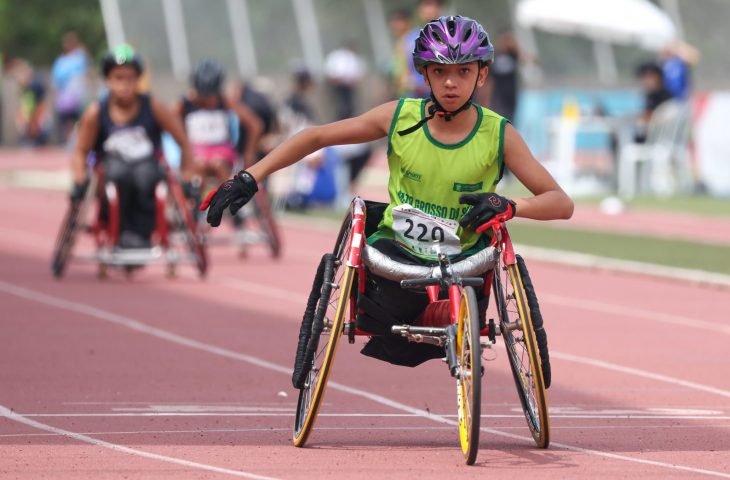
{"x":367,"y":127}
{"x":88,"y":129}
{"x":550,"y":202}
{"x":173,"y":124}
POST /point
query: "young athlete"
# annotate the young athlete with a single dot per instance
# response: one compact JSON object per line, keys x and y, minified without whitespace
{"x":123,"y":131}
{"x":445,"y":155}
{"x":205,"y":112}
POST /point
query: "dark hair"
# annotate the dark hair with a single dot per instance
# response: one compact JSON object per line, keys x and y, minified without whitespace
{"x":121,"y":55}
{"x":648,"y":68}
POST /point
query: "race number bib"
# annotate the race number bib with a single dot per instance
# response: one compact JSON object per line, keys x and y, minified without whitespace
{"x":423,"y":233}
{"x":207,"y":127}
{"x":131,"y":144}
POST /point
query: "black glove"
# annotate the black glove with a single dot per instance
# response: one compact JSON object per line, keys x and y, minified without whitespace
{"x":78,"y":191}
{"x":485,"y":207}
{"x":233,"y":193}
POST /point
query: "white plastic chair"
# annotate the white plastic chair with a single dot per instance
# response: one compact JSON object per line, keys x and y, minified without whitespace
{"x":661,"y":165}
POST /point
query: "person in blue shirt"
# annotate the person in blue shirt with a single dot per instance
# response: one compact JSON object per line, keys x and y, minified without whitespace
{"x":68,"y":76}
{"x":676,"y":61}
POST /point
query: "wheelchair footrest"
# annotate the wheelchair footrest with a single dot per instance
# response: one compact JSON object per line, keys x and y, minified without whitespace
{"x":417,"y":334}
{"x":130,"y":256}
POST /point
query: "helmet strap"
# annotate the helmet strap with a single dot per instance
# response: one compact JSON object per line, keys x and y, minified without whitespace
{"x":437,"y":109}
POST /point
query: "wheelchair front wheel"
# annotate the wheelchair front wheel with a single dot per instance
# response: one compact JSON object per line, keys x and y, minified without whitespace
{"x":469,"y":382}
{"x":516,"y":327}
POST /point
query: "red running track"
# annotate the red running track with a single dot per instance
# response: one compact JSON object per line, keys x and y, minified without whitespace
{"x":155,"y":378}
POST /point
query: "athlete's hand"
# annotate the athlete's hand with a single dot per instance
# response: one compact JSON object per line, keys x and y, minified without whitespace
{"x":78,"y":191}
{"x":486,"y":207}
{"x":232,"y":194}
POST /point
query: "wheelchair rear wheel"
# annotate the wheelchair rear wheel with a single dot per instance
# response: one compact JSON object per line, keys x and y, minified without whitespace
{"x":66,"y":237}
{"x":469,"y":383}
{"x":517,"y":330}
{"x":320,"y":333}
{"x":181,"y":217}
{"x":73,"y":222}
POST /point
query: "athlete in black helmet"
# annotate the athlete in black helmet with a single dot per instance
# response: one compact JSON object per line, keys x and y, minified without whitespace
{"x":205,"y":111}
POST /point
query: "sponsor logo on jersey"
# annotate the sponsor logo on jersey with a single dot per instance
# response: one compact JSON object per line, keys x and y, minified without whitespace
{"x":411,"y":175}
{"x":468,"y":187}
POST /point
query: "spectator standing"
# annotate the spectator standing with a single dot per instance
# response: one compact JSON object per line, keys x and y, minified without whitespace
{"x":415,"y":84}
{"x":344,"y":69}
{"x":298,"y":102}
{"x":69,"y":78}
{"x":676,"y":61}
{"x":400,"y":25}
{"x":31,"y":118}
{"x":655,"y":93}
{"x":503,"y":83}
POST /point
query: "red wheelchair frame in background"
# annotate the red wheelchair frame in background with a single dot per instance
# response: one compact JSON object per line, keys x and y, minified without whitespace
{"x":172,"y":215}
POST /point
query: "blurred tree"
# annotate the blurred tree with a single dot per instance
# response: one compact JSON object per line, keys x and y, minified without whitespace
{"x":32,"y":29}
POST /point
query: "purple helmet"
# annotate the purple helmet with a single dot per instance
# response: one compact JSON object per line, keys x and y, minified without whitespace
{"x":452,"y":40}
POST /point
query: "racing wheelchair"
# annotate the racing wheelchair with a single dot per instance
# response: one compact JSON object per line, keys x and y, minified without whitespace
{"x":332,"y":308}
{"x":175,"y":239}
{"x":254,"y":224}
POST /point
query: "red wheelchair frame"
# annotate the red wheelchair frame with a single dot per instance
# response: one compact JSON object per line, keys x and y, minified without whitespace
{"x":172,"y":216}
{"x":464,"y":334}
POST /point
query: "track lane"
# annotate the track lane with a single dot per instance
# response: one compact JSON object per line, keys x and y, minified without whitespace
{"x":435,"y":393}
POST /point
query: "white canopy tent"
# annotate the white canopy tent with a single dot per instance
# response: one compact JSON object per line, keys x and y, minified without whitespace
{"x":625,"y":22}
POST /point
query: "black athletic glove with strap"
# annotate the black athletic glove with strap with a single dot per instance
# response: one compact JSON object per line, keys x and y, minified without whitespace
{"x":486,"y":207}
{"x":232,"y":194}
{"x":78,"y":191}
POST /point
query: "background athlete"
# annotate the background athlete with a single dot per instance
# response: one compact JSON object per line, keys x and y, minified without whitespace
{"x":123,"y":131}
{"x":205,"y":111}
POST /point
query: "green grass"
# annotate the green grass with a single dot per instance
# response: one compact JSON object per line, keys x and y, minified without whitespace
{"x":704,"y":205}
{"x":697,"y":204}
{"x":675,"y":253}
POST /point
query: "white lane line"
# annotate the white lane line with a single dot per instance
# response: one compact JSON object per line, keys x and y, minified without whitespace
{"x":624,"y":311}
{"x":228,"y":430}
{"x":164,"y":334}
{"x":364,"y":415}
{"x":10,"y":415}
{"x":367,"y":429}
{"x":39,"y":297}
{"x":560,"y":300}
{"x":425,"y":414}
{"x":638,"y":373}
{"x":256,"y":289}
{"x":599,"y":307}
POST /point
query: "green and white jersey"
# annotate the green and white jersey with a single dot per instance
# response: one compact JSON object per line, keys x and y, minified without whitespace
{"x":427,"y":178}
